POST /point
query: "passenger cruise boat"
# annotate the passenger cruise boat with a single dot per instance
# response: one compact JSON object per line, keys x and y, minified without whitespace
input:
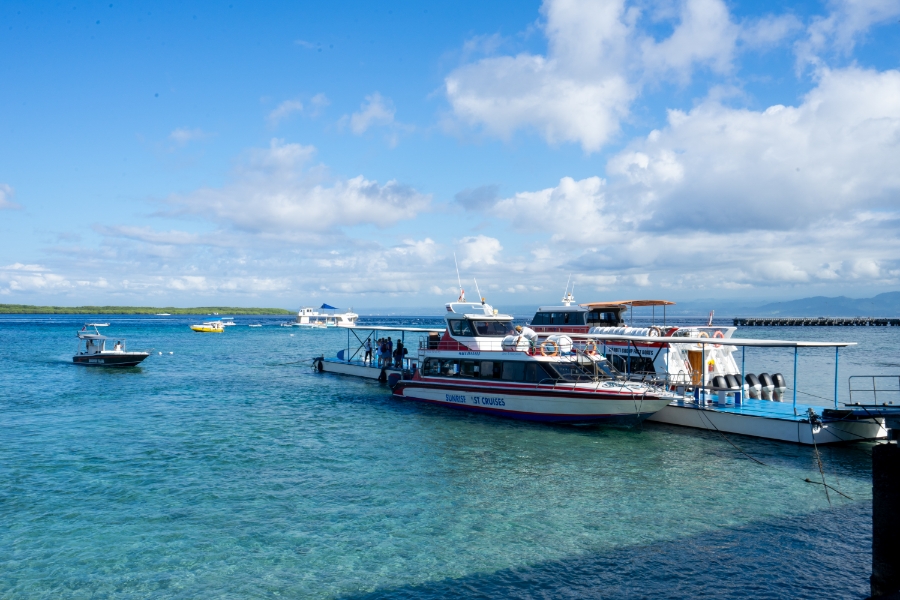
{"x":311,"y":317}
{"x":92,"y":350}
{"x":678,"y":364}
{"x":480,"y":364}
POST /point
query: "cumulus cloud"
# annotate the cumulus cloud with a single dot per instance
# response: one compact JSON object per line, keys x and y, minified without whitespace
{"x":572,"y":211}
{"x":478,"y":250}
{"x":720,"y":168}
{"x":840,"y":30}
{"x":6,"y":194}
{"x":596,"y":62}
{"x":276,"y":192}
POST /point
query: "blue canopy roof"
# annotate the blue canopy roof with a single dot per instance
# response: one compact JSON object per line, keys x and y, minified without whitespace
{"x":328,"y":307}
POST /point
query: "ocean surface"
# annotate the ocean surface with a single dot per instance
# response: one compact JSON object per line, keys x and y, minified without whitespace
{"x":225,"y":466}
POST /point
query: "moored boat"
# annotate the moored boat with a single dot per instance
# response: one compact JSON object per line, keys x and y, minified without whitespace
{"x":311,"y":317}
{"x":480,"y":364}
{"x":94,"y":352}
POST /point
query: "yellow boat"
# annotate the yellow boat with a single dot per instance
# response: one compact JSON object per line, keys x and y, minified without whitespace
{"x":210,"y":327}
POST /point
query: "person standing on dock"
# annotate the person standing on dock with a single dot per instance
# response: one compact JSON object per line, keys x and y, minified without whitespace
{"x":368,"y":356}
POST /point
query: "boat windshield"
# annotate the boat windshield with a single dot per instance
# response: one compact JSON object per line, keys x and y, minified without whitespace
{"x":493,"y":328}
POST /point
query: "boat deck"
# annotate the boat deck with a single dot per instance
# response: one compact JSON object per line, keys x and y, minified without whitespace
{"x":768,"y":419}
{"x":357,"y":368}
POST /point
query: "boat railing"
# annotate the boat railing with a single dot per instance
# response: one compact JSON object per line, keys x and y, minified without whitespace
{"x":868,"y":387}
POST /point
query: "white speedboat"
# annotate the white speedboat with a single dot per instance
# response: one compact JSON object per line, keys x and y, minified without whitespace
{"x":93,"y":351}
{"x":311,"y":317}
{"x":228,"y":322}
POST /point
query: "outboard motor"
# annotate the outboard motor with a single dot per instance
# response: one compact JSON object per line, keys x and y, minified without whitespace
{"x":768,"y":386}
{"x":754,"y":389}
{"x":732,"y":382}
{"x":393,"y":379}
{"x":780,"y":386}
{"x":719,"y":383}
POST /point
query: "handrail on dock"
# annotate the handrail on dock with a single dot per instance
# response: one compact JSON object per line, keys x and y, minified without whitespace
{"x":874,"y":389}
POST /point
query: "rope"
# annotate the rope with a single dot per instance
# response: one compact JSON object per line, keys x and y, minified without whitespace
{"x":756,"y":460}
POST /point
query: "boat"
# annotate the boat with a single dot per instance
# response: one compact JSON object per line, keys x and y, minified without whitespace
{"x":209,"y":327}
{"x":478,"y":363}
{"x":163,"y":315}
{"x":255,"y":325}
{"x":311,"y":317}
{"x":92,"y":350}
{"x":228,"y":322}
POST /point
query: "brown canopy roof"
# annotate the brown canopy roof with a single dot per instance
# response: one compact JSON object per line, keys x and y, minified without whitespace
{"x":626,"y":303}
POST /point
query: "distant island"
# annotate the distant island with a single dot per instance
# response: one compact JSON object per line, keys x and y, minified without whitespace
{"x":25,"y":309}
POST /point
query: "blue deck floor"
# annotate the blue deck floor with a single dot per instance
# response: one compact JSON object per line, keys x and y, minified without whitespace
{"x":755,"y":408}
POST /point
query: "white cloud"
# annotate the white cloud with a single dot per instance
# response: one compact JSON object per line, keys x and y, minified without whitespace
{"x":375,"y":110}
{"x":478,"y":250}
{"x":6,"y":193}
{"x":596,"y":63}
{"x":720,"y":168}
{"x":284,"y":110}
{"x":705,"y":35}
{"x":842,"y":27}
{"x":275,"y":192}
{"x":183,"y":135}
{"x":571,"y":211}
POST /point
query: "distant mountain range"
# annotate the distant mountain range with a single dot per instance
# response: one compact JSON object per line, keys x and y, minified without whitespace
{"x":882,"y":305}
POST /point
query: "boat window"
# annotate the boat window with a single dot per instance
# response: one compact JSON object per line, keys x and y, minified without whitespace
{"x":468,"y":368}
{"x":603,"y":318}
{"x":493,"y":328}
{"x":541,"y":319}
{"x":632,"y":364}
{"x":432,"y":366}
{"x":534,"y":372}
{"x":514,"y":371}
{"x":460,"y":327}
{"x":449,"y":367}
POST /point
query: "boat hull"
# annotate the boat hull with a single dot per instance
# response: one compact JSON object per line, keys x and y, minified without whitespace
{"x":785,"y":428}
{"x":124,"y":359}
{"x":202,"y":329}
{"x":547,"y":404}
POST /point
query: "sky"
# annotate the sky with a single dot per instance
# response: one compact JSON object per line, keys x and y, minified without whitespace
{"x":355,"y":153}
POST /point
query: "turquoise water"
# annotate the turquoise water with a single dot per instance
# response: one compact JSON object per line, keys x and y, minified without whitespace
{"x":230,"y":469}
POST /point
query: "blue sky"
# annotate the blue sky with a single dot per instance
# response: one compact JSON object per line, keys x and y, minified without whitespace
{"x":287,"y":154}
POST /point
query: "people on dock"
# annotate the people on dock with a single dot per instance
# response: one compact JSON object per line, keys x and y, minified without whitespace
{"x":368,"y":356}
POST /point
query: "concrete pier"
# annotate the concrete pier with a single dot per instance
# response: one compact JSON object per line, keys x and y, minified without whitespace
{"x":816,"y":322}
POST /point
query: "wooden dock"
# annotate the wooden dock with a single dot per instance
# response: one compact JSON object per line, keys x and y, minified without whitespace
{"x":816,"y":322}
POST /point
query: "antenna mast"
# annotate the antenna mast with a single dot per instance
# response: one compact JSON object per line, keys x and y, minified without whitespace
{"x":462,"y":292}
{"x":477,"y":290}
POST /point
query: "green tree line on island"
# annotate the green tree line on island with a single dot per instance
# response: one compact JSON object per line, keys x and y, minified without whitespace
{"x":137,"y":310}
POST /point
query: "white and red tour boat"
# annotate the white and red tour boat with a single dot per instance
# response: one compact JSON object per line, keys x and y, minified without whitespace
{"x":481,"y":364}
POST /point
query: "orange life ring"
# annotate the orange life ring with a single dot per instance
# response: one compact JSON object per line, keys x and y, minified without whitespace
{"x":555,"y":348}
{"x":590,"y":348}
{"x":718,"y":334}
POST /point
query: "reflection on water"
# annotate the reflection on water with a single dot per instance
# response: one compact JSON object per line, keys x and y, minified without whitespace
{"x":231,"y":468}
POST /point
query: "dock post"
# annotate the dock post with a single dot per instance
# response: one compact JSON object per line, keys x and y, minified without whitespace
{"x":836,"y":350}
{"x":743,"y":372}
{"x":795,"y":379}
{"x":885,"y":577}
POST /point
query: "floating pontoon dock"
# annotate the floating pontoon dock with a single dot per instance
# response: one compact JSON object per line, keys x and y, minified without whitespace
{"x":731,"y":411}
{"x":349,"y":361}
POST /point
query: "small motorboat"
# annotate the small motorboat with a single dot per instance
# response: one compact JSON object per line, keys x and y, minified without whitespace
{"x":228,"y":321}
{"x":255,"y":325}
{"x":94,"y":352}
{"x":209,"y":327}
